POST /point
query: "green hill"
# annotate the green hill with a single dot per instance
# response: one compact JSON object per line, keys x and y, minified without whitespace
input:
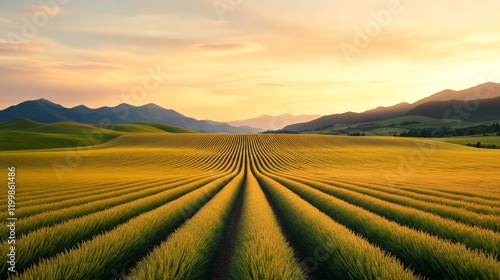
{"x":397,"y":125}
{"x":484,"y":109}
{"x":24,"y":134}
{"x":464,"y":140}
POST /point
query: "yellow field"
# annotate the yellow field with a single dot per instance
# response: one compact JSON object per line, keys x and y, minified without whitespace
{"x":216,"y":206}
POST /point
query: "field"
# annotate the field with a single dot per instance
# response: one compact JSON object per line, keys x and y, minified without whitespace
{"x":485,"y":140}
{"x":217,"y":206}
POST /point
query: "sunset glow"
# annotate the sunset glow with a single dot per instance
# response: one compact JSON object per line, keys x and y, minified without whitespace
{"x":227,"y":60}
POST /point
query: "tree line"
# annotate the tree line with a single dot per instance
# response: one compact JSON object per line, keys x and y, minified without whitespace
{"x":445,"y":131}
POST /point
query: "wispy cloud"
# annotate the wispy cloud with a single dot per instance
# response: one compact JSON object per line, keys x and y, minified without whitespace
{"x":417,"y":48}
{"x":28,"y":48}
{"x":267,"y":54}
{"x":226,"y":48}
{"x":85,"y":66}
{"x":41,"y":9}
{"x":5,"y":21}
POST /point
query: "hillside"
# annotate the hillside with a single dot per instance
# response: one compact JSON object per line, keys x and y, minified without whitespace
{"x":475,"y":110}
{"x":378,"y":114}
{"x":483,"y":91}
{"x":24,"y":134}
{"x":396,"y":125}
{"x":44,"y":111}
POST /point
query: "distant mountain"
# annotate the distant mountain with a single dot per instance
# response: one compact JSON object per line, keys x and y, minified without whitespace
{"x":268,"y":122}
{"x":221,"y":126}
{"x":484,"y":91}
{"x":44,"y":111}
{"x":474,"y":111}
{"x":83,"y":109}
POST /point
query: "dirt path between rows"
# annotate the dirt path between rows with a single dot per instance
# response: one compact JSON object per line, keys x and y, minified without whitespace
{"x":222,"y":263}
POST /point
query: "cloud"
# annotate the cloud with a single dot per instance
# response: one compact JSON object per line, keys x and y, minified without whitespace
{"x":146,"y":41}
{"x":5,"y":21}
{"x":269,"y":53}
{"x":41,"y":9}
{"x":82,"y":66}
{"x":428,"y":48}
{"x":6,"y":48}
{"x":226,"y":48}
{"x":10,"y":49}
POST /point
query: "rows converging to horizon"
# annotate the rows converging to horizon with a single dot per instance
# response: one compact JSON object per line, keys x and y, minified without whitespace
{"x":244,"y":205}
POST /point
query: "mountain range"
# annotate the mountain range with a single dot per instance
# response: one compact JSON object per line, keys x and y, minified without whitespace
{"x":45,"y":111}
{"x":476,"y":104}
{"x":485,"y":97}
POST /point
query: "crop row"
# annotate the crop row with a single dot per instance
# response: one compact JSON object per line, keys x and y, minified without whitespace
{"x":47,"y":241}
{"x":254,"y":207}
{"x":120,"y":248}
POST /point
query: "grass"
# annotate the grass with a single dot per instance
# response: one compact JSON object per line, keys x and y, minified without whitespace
{"x":431,"y":256}
{"x":464,"y":140}
{"x":331,"y":251}
{"x":475,"y":237}
{"x":47,"y":241}
{"x":397,"y":125}
{"x":117,"y":249}
{"x":411,"y":121}
{"x":489,"y":220}
{"x":261,"y":251}
{"x":159,"y":205}
{"x":50,"y":217}
{"x":189,"y":253}
{"x":24,"y":134}
{"x":430,"y":201}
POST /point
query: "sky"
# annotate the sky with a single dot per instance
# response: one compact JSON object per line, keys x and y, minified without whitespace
{"x":234,"y":59}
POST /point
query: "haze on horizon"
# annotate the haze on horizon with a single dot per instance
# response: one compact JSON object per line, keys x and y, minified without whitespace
{"x":236,"y":59}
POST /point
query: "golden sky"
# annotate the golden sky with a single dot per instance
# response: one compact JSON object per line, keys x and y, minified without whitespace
{"x":234,"y":59}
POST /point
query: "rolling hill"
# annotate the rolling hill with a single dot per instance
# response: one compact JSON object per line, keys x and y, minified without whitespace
{"x":378,"y":114}
{"x":398,"y":125}
{"x":24,"y":134}
{"x":44,"y":111}
{"x":475,"y":110}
